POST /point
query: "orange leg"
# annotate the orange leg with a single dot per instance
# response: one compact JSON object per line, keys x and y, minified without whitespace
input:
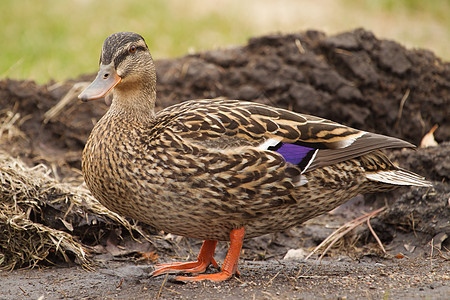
{"x":204,"y":259}
{"x":229,"y":267}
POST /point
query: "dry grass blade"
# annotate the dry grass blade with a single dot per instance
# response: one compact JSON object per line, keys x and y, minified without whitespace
{"x":10,"y":123}
{"x":343,"y":230}
{"x":71,"y":94}
{"x":25,"y":242}
{"x":28,"y":236}
{"x":400,"y":110}
{"x":271,"y":279}
{"x":162,"y":285}
{"x":375,"y":235}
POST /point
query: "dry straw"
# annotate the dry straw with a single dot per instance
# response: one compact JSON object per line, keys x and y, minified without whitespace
{"x":27,"y":235}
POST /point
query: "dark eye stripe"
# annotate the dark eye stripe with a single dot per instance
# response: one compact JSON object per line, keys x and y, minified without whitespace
{"x":141,"y":48}
{"x":121,"y":57}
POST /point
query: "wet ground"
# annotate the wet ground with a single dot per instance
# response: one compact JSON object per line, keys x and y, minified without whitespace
{"x":352,"y":78}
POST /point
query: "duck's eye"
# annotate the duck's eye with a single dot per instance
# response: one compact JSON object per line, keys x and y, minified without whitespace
{"x":132,"y":49}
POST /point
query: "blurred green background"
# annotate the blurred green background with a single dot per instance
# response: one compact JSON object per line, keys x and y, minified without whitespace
{"x":47,"y":39}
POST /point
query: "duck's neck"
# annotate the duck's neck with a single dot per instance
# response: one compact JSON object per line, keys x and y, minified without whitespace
{"x":135,"y":100}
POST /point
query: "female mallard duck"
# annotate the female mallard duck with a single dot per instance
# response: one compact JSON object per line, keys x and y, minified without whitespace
{"x":220,"y":169}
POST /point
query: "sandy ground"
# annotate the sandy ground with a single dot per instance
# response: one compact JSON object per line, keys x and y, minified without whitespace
{"x":369,"y":278}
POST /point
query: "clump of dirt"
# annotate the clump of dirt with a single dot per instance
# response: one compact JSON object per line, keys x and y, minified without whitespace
{"x":352,"y":78}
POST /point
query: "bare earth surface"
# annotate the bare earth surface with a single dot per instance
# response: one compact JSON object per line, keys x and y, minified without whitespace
{"x":332,"y":279}
{"x":352,"y":78}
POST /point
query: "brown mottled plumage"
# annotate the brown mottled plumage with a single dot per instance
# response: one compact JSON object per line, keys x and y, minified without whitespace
{"x":209,"y":169}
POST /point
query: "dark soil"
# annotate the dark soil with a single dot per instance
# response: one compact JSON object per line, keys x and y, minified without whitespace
{"x":352,"y":78}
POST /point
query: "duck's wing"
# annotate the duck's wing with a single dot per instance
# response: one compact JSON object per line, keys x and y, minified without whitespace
{"x":306,"y":141}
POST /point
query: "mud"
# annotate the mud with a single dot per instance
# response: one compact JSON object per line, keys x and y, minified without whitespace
{"x":352,"y":78}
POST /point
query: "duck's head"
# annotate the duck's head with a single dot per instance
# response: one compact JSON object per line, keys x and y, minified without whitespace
{"x":127,"y":66}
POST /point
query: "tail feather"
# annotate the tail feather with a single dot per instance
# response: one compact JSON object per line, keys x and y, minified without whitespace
{"x":399,"y":177}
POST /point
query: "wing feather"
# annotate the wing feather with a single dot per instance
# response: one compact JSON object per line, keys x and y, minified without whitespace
{"x":228,"y":124}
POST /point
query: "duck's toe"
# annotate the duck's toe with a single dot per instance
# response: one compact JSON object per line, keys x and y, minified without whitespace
{"x":204,"y":259}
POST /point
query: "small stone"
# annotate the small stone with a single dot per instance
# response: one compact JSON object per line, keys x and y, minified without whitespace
{"x":295,"y":254}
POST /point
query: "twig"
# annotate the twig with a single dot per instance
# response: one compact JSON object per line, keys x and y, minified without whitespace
{"x":375,"y":235}
{"x":413,"y":224}
{"x":59,"y":107}
{"x":400,"y":110}
{"x":337,"y":238}
{"x":120,"y":284}
{"x":184,"y":69}
{"x":343,"y":230}
{"x":62,"y":293}
{"x":431,"y":254}
{"x":306,"y":271}
{"x":173,"y":291}
{"x":270,"y":281}
{"x":344,"y":52}
{"x":25,"y":293}
{"x":299,"y":46}
{"x":441,"y":254}
{"x":288,"y":277}
{"x":162,"y":285}
{"x":299,"y":271}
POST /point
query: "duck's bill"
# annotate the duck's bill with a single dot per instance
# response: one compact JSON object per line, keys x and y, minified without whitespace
{"x":105,"y":81}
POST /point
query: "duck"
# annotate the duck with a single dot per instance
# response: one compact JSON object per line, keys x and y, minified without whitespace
{"x":219,"y":169}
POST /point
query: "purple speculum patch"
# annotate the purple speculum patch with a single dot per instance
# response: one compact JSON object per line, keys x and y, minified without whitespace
{"x":294,"y":154}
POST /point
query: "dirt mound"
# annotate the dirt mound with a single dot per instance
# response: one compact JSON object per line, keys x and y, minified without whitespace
{"x":352,"y":78}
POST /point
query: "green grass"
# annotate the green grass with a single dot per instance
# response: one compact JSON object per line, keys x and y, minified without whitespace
{"x":62,"y":39}
{"x":43,"y":40}
{"x":436,"y":8}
